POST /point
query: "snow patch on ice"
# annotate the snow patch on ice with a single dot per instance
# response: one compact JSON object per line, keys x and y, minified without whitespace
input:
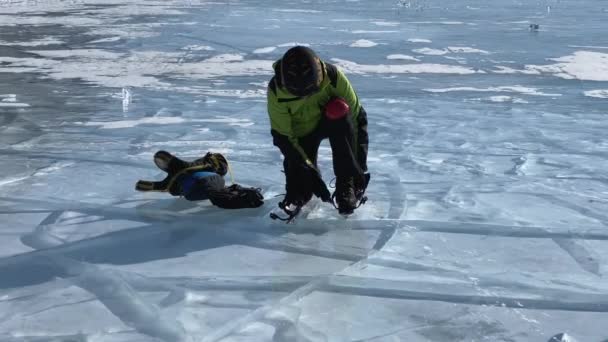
{"x":582,"y":65}
{"x":450,"y":49}
{"x":504,"y":98}
{"x":422,"y":68}
{"x":25,"y":6}
{"x":296,"y":11}
{"x":238,"y":93}
{"x":588,"y":47}
{"x":126,"y":99}
{"x":465,"y":49}
{"x":196,"y":47}
{"x":363,"y":43}
{"x":8,"y":97}
{"x":599,"y":93}
{"x":123,"y":31}
{"x":265,"y":50}
{"x":371,"y":31}
{"x":227,"y":57}
{"x":105,"y":40}
{"x":344,"y":20}
{"x":419,"y":40}
{"x":290,"y":44}
{"x":385,"y":23}
{"x":402,"y":57}
{"x":44,"y":20}
{"x":438,"y":22}
{"x":195,"y":298}
{"x":38,"y":42}
{"x":133,"y":123}
{"x":139,"y":69}
{"x":500,"y":69}
{"x":509,"y":89}
{"x":431,"y":52}
{"x":14,"y":104}
{"x":164,"y":120}
{"x":10,"y":100}
{"x":78,"y":53}
{"x":562,"y":337}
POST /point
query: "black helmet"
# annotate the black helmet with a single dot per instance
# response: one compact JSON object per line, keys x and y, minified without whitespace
{"x":301,"y":71}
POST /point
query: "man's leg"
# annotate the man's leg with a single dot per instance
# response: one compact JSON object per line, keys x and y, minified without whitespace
{"x":362,"y":145}
{"x":297,"y":177}
{"x":346,"y":154}
{"x":313,"y":183}
{"x":362,"y":139}
{"x":344,"y":148}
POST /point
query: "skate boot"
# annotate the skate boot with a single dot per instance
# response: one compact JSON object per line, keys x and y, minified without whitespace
{"x":345,"y":197}
{"x":360,"y":187}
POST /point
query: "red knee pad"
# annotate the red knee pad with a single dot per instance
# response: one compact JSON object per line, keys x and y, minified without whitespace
{"x":336,"y":108}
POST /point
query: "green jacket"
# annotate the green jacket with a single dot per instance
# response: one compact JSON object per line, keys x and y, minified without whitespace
{"x":296,"y":117}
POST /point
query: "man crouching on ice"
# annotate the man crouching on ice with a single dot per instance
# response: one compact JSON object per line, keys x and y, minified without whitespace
{"x":310,"y":100}
{"x":201,"y":179}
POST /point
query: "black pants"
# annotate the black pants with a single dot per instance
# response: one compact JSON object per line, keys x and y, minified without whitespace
{"x":348,"y":140}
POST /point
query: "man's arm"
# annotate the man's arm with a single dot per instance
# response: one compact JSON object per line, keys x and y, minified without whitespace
{"x":283,"y":138}
{"x":345,"y":90}
{"x":281,"y":129}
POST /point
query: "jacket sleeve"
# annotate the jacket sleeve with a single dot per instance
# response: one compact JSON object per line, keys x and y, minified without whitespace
{"x":345,"y":90}
{"x":281,"y":129}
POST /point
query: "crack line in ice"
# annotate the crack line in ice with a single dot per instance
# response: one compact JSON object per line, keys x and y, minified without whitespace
{"x":463,"y":294}
{"x":120,"y":298}
{"x":295,"y":296}
{"x":579,"y":233}
{"x":41,"y":237}
{"x":323,"y":283}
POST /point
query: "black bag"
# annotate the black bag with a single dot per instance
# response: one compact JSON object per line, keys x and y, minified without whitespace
{"x":237,"y":197}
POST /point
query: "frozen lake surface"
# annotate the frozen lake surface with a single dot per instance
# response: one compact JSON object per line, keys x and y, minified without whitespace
{"x":488,"y":210}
